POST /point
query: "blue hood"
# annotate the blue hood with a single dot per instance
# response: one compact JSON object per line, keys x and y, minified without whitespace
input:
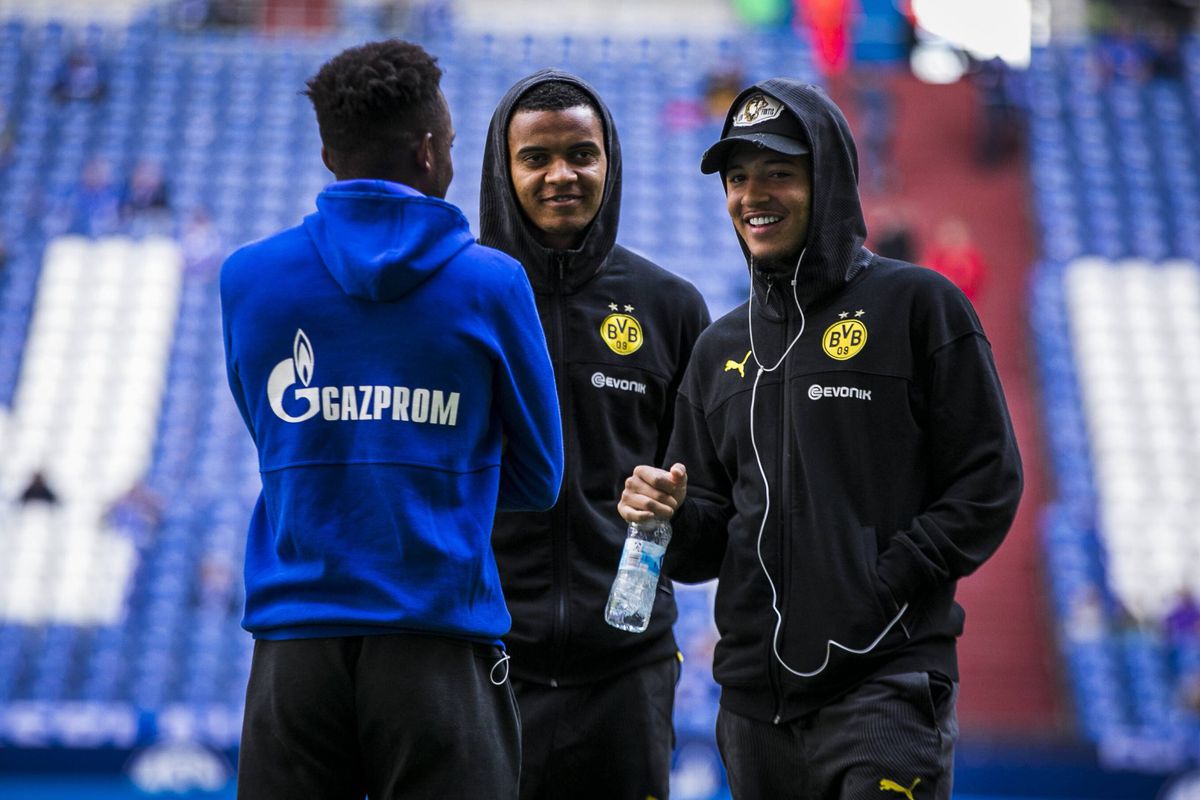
{"x":380,"y":240}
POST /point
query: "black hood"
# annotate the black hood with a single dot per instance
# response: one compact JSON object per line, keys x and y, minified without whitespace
{"x":503,"y":225}
{"x":834,"y":252}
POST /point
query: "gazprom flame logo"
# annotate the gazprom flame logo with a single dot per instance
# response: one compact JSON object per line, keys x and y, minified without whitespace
{"x":302,"y":356}
{"x":284,"y":376}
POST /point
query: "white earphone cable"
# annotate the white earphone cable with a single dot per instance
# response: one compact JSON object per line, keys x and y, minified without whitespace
{"x":829,"y":644}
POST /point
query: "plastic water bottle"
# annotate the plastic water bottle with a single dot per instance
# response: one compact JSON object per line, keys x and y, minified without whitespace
{"x":632,"y":597}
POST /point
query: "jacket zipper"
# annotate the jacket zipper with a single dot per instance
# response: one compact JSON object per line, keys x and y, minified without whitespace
{"x":785,"y":473}
{"x":559,"y":533}
{"x":774,"y":670}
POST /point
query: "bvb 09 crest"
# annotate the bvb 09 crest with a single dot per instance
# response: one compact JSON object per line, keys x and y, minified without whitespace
{"x":622,"y":334}
{"x":844,"y":339}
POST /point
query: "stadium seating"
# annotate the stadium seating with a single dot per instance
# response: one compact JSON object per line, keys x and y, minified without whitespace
{"x":1116,"y":318}
{"x":119,"y":606}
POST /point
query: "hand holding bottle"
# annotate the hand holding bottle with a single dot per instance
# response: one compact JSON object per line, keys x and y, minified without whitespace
{"x":653,"y":493}
{"x":649,"y":500}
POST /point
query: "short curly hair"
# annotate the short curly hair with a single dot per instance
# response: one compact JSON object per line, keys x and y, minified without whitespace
{"x":555,"y":96}
{"x":370,"y":98}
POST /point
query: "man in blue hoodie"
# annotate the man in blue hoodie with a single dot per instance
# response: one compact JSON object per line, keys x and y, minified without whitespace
{"x":395,"y":379}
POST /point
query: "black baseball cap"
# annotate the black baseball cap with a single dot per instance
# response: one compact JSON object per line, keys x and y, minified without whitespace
{"x":762,"y":120}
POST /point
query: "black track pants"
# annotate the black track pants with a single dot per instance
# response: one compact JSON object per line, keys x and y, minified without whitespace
{"x":392,"y":716}
{"x":890,"y":739}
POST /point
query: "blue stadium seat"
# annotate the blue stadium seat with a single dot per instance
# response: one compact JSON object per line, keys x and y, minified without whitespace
{"x":1114,"y":175}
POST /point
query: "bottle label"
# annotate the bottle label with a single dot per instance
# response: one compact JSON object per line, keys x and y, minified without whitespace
{"x":640,"y":554}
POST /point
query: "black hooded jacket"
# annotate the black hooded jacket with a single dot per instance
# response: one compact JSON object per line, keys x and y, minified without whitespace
{"x":886,"y":442}
{"x":620,"y":331}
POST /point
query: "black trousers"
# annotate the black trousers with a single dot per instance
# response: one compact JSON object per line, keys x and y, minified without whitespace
{"x":890,"y":738}
{"x":609,"y":740}
{"x":391,"y":716}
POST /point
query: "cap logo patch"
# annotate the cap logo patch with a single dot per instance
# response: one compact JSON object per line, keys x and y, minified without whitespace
{"x":757,"y":108}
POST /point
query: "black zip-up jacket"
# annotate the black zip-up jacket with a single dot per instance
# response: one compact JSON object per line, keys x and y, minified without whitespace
{"x":892,"y":466}
{"x":620,"y":331}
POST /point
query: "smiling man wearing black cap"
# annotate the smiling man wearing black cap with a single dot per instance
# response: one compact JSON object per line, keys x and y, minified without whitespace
{"x":765,"y":145}
{"x":841,"y":455}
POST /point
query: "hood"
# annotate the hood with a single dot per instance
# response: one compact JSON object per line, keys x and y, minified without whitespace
{"x":380,"y":240}
{"x":834,"y":252}
{"x":502,"y":224}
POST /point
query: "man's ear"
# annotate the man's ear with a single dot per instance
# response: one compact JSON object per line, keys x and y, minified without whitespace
{"x":327,"y":159}
{"x":425,"y":157}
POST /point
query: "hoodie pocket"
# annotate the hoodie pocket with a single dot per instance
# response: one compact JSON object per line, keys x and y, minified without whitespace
{"x":870,"y":550}
{"x":837,"y":599}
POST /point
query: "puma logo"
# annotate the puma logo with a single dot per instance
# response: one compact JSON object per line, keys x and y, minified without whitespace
{"x":740,"y":366}
{"x":891,"y":786}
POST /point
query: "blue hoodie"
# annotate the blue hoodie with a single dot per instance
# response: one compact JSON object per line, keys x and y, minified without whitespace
{"x":394,"y":377}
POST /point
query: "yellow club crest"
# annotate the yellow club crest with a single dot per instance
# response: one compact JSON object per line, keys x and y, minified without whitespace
{"x":622,"y":333}
{"x":845,"y":338}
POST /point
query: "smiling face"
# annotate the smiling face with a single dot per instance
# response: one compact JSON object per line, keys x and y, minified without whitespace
{"x":769,"y":198}
{"x":558,"y":168}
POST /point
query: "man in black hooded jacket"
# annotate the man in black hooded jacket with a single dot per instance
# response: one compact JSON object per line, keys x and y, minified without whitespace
{"x":842,"y":455}
{"x":595,"y":702}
